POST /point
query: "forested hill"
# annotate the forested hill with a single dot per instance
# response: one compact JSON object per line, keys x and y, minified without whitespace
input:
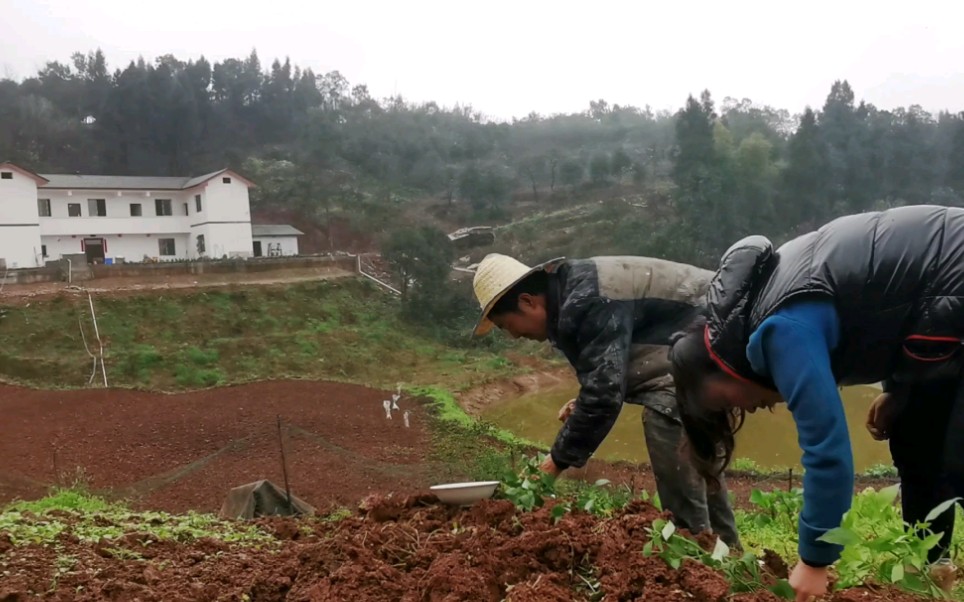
{"x":316,"y":141}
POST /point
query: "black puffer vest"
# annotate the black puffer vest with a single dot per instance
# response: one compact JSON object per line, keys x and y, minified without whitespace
{"x":896,"y":278}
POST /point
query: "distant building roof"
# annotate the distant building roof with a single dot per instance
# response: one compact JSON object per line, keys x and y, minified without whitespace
{"x":37,"y":177}
{"x":79,"y":182}
{"x":275,"y":230}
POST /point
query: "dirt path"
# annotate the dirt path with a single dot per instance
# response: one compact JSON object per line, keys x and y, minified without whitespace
{"x":17,"y":294}
{"x":185,"y":451}
{"x":476,"y":401}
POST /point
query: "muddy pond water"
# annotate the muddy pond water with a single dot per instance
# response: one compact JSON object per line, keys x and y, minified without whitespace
{"x":769,"y":439}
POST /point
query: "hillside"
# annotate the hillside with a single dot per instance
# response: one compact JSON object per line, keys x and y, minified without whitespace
{"x":347,"y":330}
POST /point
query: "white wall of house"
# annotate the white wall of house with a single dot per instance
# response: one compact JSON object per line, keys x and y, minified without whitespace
{"x":224,"y":220}
{"x":20,"y":245}
{"x":132,"y":247}
{"x":118,"y":208}
{"x":277,"y":245}
{"x":225,"y":240}
{"x":224,"y":202}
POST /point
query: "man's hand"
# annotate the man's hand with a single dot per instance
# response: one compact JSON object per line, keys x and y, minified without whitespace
{"x":566,"y":410}
{"x":549,"y":467}
{"x":881,"y":417}
{"x":808,"y":582}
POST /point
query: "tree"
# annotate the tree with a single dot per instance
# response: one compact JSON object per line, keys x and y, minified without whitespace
{"x":570,"y":173}
{"x":599,"y":169}
{"x":484,"y":187}
{"x":697,"y":175}
{"x":803,"y":193}
{"x":621,"y":163}
{"x":955,"y":173}
{"x":421,"y":258}
{"x":533,"y":169}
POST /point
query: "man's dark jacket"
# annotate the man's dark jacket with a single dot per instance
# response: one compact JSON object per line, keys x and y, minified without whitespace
{"x":612,"y":317}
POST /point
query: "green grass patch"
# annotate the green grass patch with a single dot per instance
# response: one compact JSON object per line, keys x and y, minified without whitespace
{"x":90,"y":518}
{"x":345,"y":330}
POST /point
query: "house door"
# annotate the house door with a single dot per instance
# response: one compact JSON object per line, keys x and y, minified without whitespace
{"x":257,"y":248}
{"x":94,"y":248}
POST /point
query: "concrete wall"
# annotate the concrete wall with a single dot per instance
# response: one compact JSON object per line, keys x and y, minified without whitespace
{"x":20,"y":245}
{"x":224,"y":267}
{"x":55,"y":271}
{"x":132,"y":247}
{"x":288,"y":245}
{"x":224,"y":240}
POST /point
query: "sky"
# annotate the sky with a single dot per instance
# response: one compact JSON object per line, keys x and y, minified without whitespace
{"x":509,"y":58}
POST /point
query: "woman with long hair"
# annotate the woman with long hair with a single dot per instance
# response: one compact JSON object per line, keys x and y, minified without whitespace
{"x":867,"y":298}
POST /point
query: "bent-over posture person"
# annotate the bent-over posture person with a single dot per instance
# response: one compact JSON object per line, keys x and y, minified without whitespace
{"x":874,"y":297}
{"x":612,"y":318}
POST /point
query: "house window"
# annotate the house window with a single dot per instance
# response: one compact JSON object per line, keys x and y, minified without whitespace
{"x":136,"y":210}
{"x":43,"y":250}
{"x":197,"y":202}
{"x":6,"y":175}
{"x":163,"y":207}
{"x":97,"y":207}
{"x":73,"y":209}
{"x":43,"y":207}
{"x":165,"y":247}
{"x":186,"y":211}
{"x":200,"y":244}
{"x":225,"y":180}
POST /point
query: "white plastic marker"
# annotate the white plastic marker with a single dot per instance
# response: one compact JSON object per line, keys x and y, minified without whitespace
{"x":388,"y":408}
{"x":405,"y":417}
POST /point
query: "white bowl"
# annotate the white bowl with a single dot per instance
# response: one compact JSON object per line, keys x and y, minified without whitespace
{"x":463,"y":494}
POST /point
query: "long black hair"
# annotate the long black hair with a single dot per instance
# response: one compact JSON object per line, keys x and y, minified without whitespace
{"x":709,"y":433}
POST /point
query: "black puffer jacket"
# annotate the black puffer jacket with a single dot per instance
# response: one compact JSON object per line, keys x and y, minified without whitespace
{"x":896,"y":278}
{"x":612,"y":317}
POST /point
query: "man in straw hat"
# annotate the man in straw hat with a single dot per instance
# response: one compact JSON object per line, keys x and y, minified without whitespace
{"x":612,"y":317}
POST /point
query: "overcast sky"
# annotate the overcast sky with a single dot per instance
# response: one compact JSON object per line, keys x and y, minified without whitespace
{"x":507,"y":58}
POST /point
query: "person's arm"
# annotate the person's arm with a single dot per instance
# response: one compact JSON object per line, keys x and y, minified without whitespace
{"x":603,"y":333}
{"x":793,"y":347}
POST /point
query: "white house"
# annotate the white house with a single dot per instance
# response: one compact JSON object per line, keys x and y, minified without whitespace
{"x":45,"y":216}
{"x":274,"y":241}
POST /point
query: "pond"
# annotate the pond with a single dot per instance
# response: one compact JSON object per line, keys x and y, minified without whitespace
{"x":769,"y":439}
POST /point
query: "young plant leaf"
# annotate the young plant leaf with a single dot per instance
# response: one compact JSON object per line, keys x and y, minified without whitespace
{"x":720,"y":550}
{"x":668,"y":530}
{"x":940,"y":509}
{"x":889,"y":494}
{"x":840,"y":536}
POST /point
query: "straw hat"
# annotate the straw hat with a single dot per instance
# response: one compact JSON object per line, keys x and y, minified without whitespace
{"x":495,"y":276}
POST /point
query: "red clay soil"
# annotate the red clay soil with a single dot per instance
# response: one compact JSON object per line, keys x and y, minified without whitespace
{"x":408,"y":550}
{"x":186,"y":451}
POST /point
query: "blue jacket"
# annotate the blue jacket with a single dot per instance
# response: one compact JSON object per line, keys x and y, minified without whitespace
{"x":793,"y":348}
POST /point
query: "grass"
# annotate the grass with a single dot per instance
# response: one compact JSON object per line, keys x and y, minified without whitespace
{"x":344,"y":330}
{"x":751,"y":467}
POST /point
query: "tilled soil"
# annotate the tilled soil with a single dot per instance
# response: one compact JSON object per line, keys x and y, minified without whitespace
{"x":408,"y":550}
{"x":186,"y":451}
